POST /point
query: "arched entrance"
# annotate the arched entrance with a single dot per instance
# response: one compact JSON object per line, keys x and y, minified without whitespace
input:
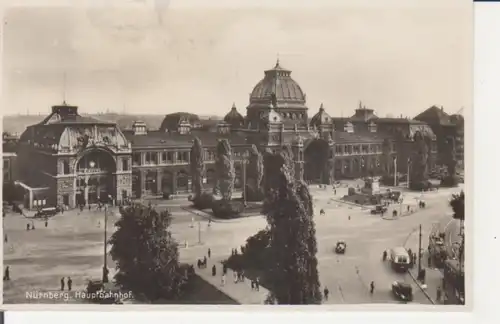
{"x":182,"y":181}
{"x":150,"y":185}
{"x":238,"y":177}
{"x":95,"y":180}
{"x":316,"y":156}
{"x":136,"y":184}
{"x":167,"y":182}
{"x":210,"y":178}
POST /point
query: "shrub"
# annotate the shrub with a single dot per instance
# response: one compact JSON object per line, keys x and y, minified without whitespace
{"x":254,"y":194}
{"x":204,"y":201}
{"x":227,"y":209}
{"x":450,"y":181}
{"x":421,"y":185}
{"x":388,"y":180}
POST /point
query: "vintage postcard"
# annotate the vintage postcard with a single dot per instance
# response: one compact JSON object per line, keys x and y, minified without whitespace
{"x":236,"y":153}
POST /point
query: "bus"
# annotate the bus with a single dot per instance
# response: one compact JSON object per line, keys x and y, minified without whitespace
{"x":453,"y":283}
{"x":400,"y":259}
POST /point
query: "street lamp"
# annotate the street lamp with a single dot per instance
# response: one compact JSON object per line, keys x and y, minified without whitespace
{"x":408,"y":174}
{"x":395,"y":170}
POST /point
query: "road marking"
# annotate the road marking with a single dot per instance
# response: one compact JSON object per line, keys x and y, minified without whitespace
{"x":341,"y":293}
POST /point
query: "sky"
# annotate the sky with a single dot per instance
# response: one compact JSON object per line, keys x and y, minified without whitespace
{"x":158,"y":59}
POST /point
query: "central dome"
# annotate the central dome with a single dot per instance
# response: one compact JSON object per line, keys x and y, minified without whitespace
{"x":277,"y":81}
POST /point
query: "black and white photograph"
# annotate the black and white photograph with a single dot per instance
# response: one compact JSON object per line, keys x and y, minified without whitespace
{"x":156,"y":153}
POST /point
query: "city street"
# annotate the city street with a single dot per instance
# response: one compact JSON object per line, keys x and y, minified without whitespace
{"x":72,"y":245}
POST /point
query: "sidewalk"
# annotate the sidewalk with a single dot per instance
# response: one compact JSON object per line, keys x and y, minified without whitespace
{"x":433,"y":280}
{"x":241,"y":291}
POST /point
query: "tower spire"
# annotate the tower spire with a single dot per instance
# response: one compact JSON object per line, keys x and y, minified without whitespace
{"x":64,"y":88}
{"x":277,"y":59}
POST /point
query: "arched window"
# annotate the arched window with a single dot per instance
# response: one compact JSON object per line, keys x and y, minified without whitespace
{"x":65,"y":167}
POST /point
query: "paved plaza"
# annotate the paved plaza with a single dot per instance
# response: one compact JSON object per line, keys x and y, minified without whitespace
{"x":72,"y":245}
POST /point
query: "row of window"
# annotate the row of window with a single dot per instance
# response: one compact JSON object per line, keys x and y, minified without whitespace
{"x":152,"y":158}
{"x":148,"y":158}
{"x":359,"y":149}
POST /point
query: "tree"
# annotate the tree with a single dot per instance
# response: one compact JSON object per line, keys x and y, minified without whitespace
{"x":289,"y":211}
{"x":146,"y":255}
{"x":255,"y":173}
{"x":224,"y":166}
{"x":197,"y":166}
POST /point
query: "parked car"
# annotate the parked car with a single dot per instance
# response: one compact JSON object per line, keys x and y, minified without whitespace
{"x":340,"y":247}
{"x":379,"y":209}
{"x":402,"y":291}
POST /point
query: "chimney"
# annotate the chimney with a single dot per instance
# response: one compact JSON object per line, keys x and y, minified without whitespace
{"x":184,"y":127}
{"x":139,"y":128}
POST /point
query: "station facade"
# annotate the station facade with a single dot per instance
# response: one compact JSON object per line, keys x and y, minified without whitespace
{"x":68,"y":159}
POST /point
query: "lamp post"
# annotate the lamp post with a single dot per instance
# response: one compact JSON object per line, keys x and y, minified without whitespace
{"x":105,"y":270}
{"x":199,"y":232}
{"x":408,"y":174}
{"x":395,"y":170}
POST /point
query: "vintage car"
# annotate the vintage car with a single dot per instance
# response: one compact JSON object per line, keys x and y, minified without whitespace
{"x":340,"y":247}
{"x":402,"y":291}
{"x":47,"y":212}
{"x":379,"y":209}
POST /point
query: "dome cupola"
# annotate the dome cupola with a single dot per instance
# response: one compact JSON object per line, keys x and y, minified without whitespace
{"x":234,"y":118}
{"x":321,"y":118}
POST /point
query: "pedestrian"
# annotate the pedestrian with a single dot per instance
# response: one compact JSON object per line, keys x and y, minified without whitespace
{"x":223,"y":280}
{"x":46,"y":223}
{"x":242,"y":275}
{"x":33,"y":226}
{"x":70,"y":283}
{"x":349,"y":218}
{"x":372,"y":287}
{"x":209,"y":252}
{"x":89,"y":207}
{"x":257,"y":284}
{"x":252,"y":284}
{"x":326,"y":292}
{"x":235,"y":276}
{"x":62,"y":284}
{"x":408,"y":208}
{"x":5,"y":239}
{"x":224,"y":268}
{"x":205,"y":260}
{"x":214,"y":271}
{"x":438,"y":294}
{"x":384,"y":255}
{"x":335,"y":192}
{"x":6,"y":275}
{"x":28,"y":226}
